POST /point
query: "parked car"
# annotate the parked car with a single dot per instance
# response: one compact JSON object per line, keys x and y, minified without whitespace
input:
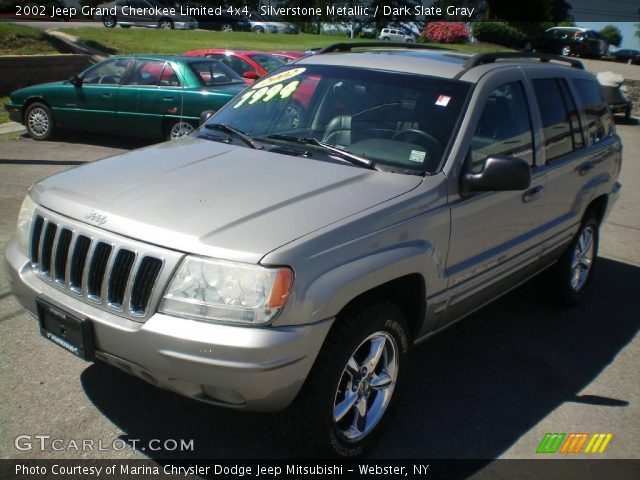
{"x":567,"y":41}
{"x":288,"y":55}
{"x":266,"y":24}
{"x":224,"y":22}
{"x":396,"y":35}
{"x":627,"y":55}
{"x":250,"y":64}
{"x":261,"y":266}
{"x":258,"y":25}
{"x":147,"y":95}
{"x":615,"y":93}
{"x":127,"y":15}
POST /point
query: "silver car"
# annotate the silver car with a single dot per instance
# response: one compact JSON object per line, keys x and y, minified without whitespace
{"x":276,"y":262}
{"x":142,"y":13}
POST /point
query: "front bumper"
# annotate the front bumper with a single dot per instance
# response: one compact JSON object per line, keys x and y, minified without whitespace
{"x":15,"y":112}
{"x":258,"y":369}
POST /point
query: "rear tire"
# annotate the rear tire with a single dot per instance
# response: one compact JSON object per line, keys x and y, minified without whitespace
{"x":39,"y":121}
{"x":354,"y":385}
{"x":567,"y":281}
{"x":258,"y":29}
{"x":109,"y":21}
{"x":227,"y":28}
{"x":178,"y":129}
{"x":566,"y":51}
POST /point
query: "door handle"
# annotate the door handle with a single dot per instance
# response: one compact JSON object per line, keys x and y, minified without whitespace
{"x":106,"y":95}
{"x":586,"y":168}
{"x":167,"y":99}
{"x":533,"y":194}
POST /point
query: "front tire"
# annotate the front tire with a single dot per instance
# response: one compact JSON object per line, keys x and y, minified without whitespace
{"x":165,"y":24}
{"x":569,"y":278}
{"x":39,"y":121}
{"x":227,"y":28}
{"x":354,"y":385}
{"x":258,"y":29}
{"x":566,"y":51}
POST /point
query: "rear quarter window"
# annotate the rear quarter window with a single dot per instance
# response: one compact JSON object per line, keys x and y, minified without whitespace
{"x":599,"y":120}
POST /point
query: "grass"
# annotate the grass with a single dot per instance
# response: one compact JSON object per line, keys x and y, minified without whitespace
{"x":4,"y":115}
{"x":141,"y":40}
{"x":23,"y":40}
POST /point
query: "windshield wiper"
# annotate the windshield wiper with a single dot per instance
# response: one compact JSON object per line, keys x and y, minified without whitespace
{"x":234,"y":131}
{"x":335,"y":150}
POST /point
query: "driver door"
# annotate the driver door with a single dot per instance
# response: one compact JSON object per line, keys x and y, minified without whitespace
{"x":494,"y":234}
{"x":92,"y":105}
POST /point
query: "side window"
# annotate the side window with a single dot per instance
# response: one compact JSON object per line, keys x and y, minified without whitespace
{"x":146,"y":72}
{"x":169,"y":77}
{"x":599,"y":120}
{"x":106,"y":73}
{"x":556,"y":118}
{"x":504,"y":128}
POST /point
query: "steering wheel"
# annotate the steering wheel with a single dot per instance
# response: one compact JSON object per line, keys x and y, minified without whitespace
{"x":415,"y":131}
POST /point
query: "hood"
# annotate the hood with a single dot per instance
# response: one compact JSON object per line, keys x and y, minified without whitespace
{"x":215,"y":199}
{"x":25,"y":92}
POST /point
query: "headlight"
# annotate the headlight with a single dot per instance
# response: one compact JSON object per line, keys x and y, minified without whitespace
{"x":217,"y":290}
{"x":25,"y":215}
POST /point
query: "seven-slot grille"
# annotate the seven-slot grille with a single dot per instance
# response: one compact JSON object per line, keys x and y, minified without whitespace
{"x":107,"y":274}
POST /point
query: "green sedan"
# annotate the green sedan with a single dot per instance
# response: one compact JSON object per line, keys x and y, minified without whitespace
{"x":148,"y":96}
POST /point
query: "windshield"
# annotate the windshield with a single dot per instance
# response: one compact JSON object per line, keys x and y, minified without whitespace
{"x":213,"y":72}
{"x":400,"y":121}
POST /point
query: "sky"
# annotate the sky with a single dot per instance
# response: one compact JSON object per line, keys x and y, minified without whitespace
{"x":629,"y":39}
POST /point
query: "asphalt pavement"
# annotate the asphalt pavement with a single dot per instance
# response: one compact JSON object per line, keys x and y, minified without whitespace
{"x":489,"y":387}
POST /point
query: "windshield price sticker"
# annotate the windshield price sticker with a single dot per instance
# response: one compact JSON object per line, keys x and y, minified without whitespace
{"x":266,"y":94}
{"x":278,"y":78}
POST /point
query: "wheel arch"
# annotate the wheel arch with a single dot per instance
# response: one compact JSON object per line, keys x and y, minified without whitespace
{"x":599,"y":206}
{"x":30,"y":101}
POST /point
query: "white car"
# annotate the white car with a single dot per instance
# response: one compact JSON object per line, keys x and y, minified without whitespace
{"x":395,"y":35}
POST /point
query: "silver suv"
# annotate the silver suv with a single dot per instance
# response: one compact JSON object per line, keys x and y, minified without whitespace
{"x":396,"y":35}
{"x":274,"y":261}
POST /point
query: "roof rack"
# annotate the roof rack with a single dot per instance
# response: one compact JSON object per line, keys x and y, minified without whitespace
{"x":348,"y":46}
{"x":492,"y":57}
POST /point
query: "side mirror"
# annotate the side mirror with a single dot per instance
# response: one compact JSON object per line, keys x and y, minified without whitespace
{"x":206,"y":115}
{"x":500,"y":173}
{"x":251,"y":75}
{"x":76,"y":81}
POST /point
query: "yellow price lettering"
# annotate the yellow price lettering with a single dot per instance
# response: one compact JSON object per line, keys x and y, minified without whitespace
{"x":289,"y":89}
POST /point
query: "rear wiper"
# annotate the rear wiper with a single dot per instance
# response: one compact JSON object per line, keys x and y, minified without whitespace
{"x":335,"y":150}
{"x":234,"y":131}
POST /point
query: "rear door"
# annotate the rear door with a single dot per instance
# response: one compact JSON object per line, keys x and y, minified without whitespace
{"x":152,"y":91}
{"x":576,"y":145}
{"x":494,"y":234}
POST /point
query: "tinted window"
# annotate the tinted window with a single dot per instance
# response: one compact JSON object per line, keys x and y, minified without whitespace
{"x":558,"y":134}
{"x":504,"y":128}
{"x":599,"y":120}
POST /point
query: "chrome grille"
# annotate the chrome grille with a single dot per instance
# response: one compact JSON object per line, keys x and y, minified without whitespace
{"x":117,"y":277}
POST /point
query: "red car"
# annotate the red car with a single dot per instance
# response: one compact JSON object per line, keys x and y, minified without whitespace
{"x":288,"y":55}
{"x":251,"y":64}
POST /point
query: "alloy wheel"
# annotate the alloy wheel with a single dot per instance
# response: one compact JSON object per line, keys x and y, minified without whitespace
{"x":582,"y":259}
{"x":366,"y":386}
{"x":38,"y":122}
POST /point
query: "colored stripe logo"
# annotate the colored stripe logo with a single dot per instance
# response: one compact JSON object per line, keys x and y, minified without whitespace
{"x":574,"y":443}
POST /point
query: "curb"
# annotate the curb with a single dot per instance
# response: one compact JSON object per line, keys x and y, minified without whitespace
{"x":11,"y":127}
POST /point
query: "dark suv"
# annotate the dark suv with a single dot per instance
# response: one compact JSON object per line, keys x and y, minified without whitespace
{"x":572,"y":41}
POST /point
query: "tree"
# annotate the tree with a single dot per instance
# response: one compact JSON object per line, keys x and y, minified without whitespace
{"x":612,"y":35}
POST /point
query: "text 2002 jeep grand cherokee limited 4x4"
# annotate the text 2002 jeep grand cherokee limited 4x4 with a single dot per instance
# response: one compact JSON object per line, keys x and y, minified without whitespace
{"x":275,"y":260}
